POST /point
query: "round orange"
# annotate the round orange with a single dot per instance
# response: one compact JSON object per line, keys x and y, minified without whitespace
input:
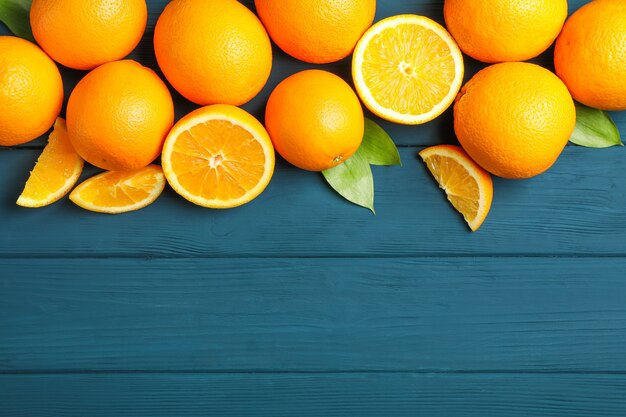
{"x":31,"y":91}
{"x":119,"y":115}
{"x":504,"y":30}
{"x":514,"y":119}
{"x":315,"y":120}
{"x":85,"y":34}
{"x":213,"y":51}
{"x":590,"y":54}
{"x":316,"y":31}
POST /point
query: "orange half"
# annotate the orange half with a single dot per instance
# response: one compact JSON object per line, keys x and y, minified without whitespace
{"x":407,"y":69}
{"x":116,"y":192}
{"x":469,"y":187}
{"x":56,"y":171}
{"x":218,"y":156}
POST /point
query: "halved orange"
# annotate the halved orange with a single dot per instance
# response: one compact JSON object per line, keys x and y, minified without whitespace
{"x":407,"y":69}
{"x":116,"y":192}
{"x":56,"y":171}
{"x":469,"y":187}
{"x":218,"y":156}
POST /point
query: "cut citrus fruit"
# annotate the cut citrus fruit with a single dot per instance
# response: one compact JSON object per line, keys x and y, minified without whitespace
{"x":469,"y":187}
{"x":218,"y":156}
{"x":407,"y":69}
{"x":116,"y":192}
{"x":55,"y":173}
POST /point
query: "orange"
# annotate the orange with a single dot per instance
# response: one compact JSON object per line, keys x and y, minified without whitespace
{"x":469,"y":188}
{"x":590,"y":54}
{"x":514,"y":119}
{"x":31,"y":91}
{"x":120,"y":192}
{"x":407,"y":69}
{"x":316,"y":31}
{"x":504,"y":30}
{"x":218,"y":156}
{"x":213,"y":51}
{"x":85,"y":34}
{"x":55,"y":173}
{"x":315,"y":120}
{"x":118,"y":116}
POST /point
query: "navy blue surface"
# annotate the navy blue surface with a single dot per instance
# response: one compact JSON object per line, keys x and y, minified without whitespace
{"x":300,"y":304}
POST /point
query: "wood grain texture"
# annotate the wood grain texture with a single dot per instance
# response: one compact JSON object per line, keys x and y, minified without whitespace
{"x":577,"y":208}
{"x":313,"y":395}
{"x":514,"y":314}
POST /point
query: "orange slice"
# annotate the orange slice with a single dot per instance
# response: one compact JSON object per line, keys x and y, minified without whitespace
{"x":468,"y":186}
{"x":407,"y":69}
{"x":56,"y":171}
{"x":116,"y":192}
{"x":218,"y":156}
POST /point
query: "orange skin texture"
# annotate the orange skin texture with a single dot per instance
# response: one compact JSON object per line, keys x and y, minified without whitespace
{"x":590,"y":54}
{"x":316,"y":31}
{"x":213,"y":51}
{"x":119,"y":115}
{"x":31,"y":91}
{"x":514,"y":119}
{"x":315,"y":120}
{"x":504,"y":30}
{"x":85,"y":34}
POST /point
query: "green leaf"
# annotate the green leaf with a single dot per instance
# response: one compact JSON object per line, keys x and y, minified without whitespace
{"x":377,"y":147}
{"x":353,"y":180}
{"x":16,"y":15}
{"x":594,"y":128}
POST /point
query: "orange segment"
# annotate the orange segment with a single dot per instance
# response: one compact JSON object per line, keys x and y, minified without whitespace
{"x":120,"y":191}
{"x":218,"y":156}
{"x":469,"y":187}
{"x":56,"y":171}
{"x":407,"y":69}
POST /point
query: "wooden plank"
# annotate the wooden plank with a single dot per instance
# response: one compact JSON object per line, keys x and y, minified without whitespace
{"x":314,"y":395}
{"x":514,"y":314}
{"x":437,"y":131}
{"x":577,"y":208}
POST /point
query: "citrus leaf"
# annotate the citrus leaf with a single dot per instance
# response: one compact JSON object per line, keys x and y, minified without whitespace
{"x":377,"y":147}
{"x":594,"y":128}
{"x":16,"y":15}
{"x":353,"y":180}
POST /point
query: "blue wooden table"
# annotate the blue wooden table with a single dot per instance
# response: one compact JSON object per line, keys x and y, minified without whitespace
{"x":300,"y":304}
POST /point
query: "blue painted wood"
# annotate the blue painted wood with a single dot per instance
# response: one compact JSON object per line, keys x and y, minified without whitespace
{"x":301,"y":304}
{"x":313,"y":395}
{"x":513,"y":314}
{"x":577,"y":208}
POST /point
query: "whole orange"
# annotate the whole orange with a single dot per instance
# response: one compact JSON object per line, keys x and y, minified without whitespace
{"x":85,"y":34}
{"x":119,"y":115}
{"x":31,"y":91}
{"x":514,"y":119}
{"x":213,"y":51}
{"x":504,"y":30}
{"x":315,"y":120}
{"x":316,"y":31}
{"x":590,"y":54}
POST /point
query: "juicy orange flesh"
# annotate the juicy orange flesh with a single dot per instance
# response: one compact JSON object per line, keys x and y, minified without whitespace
{"x":408,"y":68}
{"x":55,"y":166}
{"x":119,"y":189}
{"x":218,"y":160}
{"x":462,"y":189}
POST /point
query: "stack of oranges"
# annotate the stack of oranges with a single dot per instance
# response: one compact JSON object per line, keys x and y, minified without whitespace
{"x":512,"y":118}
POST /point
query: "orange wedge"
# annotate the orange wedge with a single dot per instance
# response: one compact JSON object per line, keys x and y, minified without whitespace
{"x":218,"y":156}
{"x":468,"y":186}
{"x":407,"y":69}
{"x":56,"y":171}
{"x":116,"y":192}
